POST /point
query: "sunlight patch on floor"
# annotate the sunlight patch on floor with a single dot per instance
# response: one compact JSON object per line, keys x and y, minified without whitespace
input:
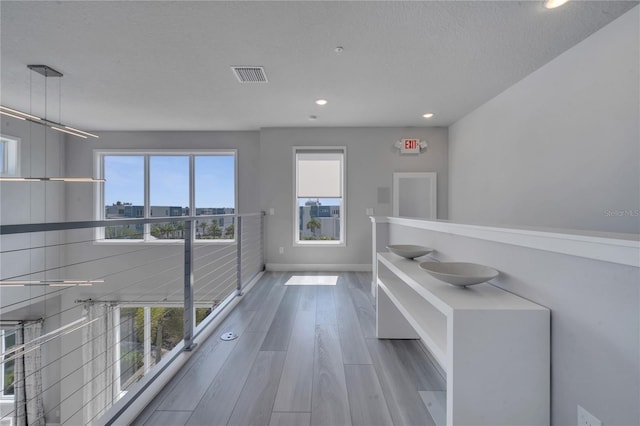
{"x":312,"y":280}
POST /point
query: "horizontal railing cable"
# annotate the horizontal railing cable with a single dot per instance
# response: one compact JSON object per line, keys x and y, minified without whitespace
{"x":66,"y":354}
{"x":229,"y":280}
{"x":76,"y":263}
{"x":92,"y":240}
{"x":200,"y":266}
{"x":77,"y":369}
{"x":65,"y":226}
{"x":66,"y":376}
{"x":101,"y":277}
{"x":146,"y":274}
{"x":213,"y":271}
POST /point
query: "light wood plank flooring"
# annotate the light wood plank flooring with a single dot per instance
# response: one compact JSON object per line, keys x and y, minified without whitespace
{"x":306,"y":355}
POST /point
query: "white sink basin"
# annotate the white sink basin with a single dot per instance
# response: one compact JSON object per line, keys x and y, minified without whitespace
{"x":409,"y":251}
{"x":459,"y":273}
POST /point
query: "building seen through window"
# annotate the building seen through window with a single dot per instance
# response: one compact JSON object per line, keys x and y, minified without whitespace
{"x":318,"y":219}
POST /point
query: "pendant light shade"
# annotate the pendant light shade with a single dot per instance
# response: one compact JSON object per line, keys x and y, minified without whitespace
{"x":11,"y":112}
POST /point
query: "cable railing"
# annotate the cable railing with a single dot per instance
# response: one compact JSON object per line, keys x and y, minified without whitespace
{"x":86,"y":315}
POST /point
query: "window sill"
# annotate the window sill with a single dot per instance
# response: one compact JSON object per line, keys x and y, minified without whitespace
{"x":320,"y":244}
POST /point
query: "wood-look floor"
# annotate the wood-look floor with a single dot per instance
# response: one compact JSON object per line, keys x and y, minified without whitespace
{"x":306,"y":355}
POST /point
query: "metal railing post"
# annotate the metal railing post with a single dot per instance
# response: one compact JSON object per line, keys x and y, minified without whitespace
{"x":262,"y":216}
{"x":188,"y":287}
{"x":239,"y":254}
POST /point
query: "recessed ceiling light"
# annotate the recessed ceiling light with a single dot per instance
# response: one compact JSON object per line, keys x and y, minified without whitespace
{"x":428,"y":115}
{"x":552,"y":4}
{"x":321,"y":102}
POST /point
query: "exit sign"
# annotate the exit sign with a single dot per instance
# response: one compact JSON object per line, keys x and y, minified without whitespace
{"x":410,"y":146}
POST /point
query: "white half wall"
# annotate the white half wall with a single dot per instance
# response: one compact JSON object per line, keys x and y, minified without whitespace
{"x":559,"y":148}
{"x":595,"y":309}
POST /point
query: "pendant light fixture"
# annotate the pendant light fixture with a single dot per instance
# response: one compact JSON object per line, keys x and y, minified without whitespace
{"x":47,"y":72}
{"x":43,"y":121}
{"x":23,"y":116}
{"x":50,"y":283}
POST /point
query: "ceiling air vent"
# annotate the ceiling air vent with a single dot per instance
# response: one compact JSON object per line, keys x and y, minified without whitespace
{"x":247,"y":74}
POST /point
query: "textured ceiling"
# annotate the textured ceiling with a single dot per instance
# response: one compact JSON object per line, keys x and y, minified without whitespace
{"x":132,"y":65}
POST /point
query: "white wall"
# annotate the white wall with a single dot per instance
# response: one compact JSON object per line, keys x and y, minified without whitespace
{"x":561,"y":147}
{"x":34,"y":202}
{"x":371,"y":161}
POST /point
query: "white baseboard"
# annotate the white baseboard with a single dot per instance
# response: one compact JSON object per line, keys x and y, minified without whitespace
{"x":318,"y":267}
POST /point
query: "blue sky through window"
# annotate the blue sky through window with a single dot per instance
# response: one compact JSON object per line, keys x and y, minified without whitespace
{"x":169,"y":180}
{"x":215,"y":176}
{"x":125,"y":179}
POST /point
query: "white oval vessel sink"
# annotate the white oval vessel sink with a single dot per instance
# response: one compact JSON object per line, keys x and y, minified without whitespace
{"x":409,"y":251}
{"x":459,"y":273}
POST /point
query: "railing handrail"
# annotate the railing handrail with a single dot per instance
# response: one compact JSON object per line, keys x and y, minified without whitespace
{"x":22,"y":228}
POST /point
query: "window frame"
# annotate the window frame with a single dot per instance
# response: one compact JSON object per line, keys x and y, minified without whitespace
{"x":99,"y":205}
{"x":10,"y":146}
{"x":3,"y":333}
{"x":343,"y":201}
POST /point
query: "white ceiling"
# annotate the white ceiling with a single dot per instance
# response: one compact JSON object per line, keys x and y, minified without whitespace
{"x":132,"y":65}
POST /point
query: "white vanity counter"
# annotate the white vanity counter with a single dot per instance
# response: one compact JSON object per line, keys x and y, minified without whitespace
{"x":493,"y":345}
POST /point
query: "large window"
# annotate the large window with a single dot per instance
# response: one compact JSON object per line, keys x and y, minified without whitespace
{"x":319,"y":196}
{"x":168,"y":184}
{"x":7,"y":341}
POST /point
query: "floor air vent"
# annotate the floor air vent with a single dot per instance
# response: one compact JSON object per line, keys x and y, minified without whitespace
{"x":247,"y":74}
{"x":229,"y":336}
